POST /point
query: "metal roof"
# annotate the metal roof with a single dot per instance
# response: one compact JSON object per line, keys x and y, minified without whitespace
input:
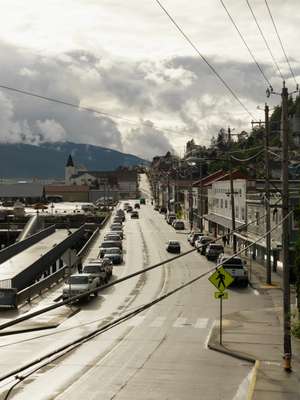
{"x":21,"y":190}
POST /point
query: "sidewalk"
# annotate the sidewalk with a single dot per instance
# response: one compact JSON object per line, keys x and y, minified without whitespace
{"x":257,"y":336}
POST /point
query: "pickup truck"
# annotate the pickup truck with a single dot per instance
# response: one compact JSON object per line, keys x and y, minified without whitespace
{"x":78,"y":284}
{"x":98,"y":270}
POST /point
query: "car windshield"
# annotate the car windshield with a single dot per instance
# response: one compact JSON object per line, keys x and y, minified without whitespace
{"x":174,"y":243}
{"x":77,"y":279}
{"x":107,"y":244}
{"x":233,"y":263}
{"x":92,"y":269}
{"x":114,"y":250}
{"x":216,"y":247}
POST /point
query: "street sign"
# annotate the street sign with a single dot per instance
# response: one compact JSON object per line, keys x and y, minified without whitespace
{"x":223,"y":295}
{"x":221,"y":279}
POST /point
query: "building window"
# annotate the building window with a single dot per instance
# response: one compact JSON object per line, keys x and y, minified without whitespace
{"x":221,"y":203}
{"x":226,"y":203}
{"x":237,"y":212}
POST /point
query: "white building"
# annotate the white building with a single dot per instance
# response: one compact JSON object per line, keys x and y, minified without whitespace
{"x":219,"y":216}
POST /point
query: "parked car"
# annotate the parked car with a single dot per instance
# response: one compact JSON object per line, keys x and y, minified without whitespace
{"x":236,"y":267}
{"x":142,"y":201}
{"x":116,"y":225}
{"x":173,"y":246}
{"x":112,"y":236}
{"x":96,"y":269}
{"x":114,"y":254}
{"x":108,"y":264}
{"x":192,"y":237}
{"x":117,"y":220}
{"x":202,"y":243}
{"x":178,"y":225}
{"x":163,"y":210}
{"x":137,"y":205}
{"x":119,"y":232}
{"x":78,"y":284}
{"x":120,"y":212}
{"x":135,"y":214}
{"x":171,"y":218}
{"x":108,"y":244}
{"x":129,"y":209}
{"x":213,"y":250}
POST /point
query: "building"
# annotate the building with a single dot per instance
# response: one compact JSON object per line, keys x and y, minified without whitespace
{"x":219,"y":216}
{"x":28,"y":193}
{"x":78,"y":193}
{"x":256,"y":219}
{"x":119,"y":184}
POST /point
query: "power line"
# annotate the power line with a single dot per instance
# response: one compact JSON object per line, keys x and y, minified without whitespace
{"x":64,"y":349}
{"x":280,"y":41}
{"x":265,"y":40}
{"x":203,"y":58}
{"x":245,"y":43}
{"x":83,"y":108}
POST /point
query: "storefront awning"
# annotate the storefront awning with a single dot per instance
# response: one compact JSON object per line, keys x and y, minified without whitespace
{"x":222,"y":221}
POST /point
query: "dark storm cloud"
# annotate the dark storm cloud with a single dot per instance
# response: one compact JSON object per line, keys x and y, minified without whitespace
{"x":148,"y":141}
{"x":180,"y":89}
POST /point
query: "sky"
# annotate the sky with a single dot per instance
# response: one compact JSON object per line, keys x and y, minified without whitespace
{"x":125,"y":58}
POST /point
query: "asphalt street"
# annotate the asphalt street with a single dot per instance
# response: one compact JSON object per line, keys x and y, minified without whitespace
{"x":159,"y":354}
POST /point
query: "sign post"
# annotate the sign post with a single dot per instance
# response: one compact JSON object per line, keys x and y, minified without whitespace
{"x":221,"y":280}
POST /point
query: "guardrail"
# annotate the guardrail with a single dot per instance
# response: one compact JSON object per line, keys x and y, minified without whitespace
{"x":83,"y":252}
{"x":11,"y":298}
{"x":37,"y":288}
{"x":17,"y":247}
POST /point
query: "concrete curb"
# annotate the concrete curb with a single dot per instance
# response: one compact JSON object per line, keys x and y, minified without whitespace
{"x":224,"y":350}
{"x":252,"y":383}
{"x":213,"y":344}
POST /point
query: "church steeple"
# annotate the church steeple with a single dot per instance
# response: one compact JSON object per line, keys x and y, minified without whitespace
{"x":70,"y":170}
{"x":70,"y":161}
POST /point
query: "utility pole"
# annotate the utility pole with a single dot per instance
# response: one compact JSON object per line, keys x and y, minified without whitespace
{"x":201,"y":198}
{"x":267,"y":197}
{"x":232,"y":207}
{"x":285,"y":232}
{"x":191,"y":214}
{"x":168,"y":191}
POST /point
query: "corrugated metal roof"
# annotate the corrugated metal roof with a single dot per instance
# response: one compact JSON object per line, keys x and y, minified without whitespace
{"x":66,"y":188}
{"x":21,"y":190}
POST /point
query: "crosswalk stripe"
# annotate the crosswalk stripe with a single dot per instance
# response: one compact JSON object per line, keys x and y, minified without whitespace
{"x":179,"y":323}
{"x":201,"y":323}
{"x":158,"y":322}
{"x":135,"y":321}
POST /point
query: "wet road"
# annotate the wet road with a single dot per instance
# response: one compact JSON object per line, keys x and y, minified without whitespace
{"x":159,"y":354}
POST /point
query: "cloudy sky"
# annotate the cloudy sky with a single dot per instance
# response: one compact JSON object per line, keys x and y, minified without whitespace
{"x":125,"y":58}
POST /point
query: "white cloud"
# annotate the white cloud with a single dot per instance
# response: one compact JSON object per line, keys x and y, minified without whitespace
{"x":129,"y":60}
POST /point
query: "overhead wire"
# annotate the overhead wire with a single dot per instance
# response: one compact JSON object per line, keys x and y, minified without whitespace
{"x":84,"y":108}
{"x":280,"y":41}
{"x":265,"y":40}
{"x":63,"y":350}
{"x":245,"y":43}
{"x":210,"y":66}
{"x":113,"y":283}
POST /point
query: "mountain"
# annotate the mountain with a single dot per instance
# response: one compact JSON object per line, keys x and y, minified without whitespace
{"x":48,"y":160}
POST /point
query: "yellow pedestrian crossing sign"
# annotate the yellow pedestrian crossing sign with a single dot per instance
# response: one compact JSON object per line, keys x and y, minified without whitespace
{"x":221,"y":295}
{"x":221,"y":279}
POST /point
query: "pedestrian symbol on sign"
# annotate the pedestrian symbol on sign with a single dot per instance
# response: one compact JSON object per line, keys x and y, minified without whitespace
{"x":221,"y":280}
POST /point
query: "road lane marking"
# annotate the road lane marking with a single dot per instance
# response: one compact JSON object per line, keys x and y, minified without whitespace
{"x":157,"y":323}
{"x":179,"y":323}
{"x":209,"y":335}
{"x":136,"y":321}
{"x":201,"y":323}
